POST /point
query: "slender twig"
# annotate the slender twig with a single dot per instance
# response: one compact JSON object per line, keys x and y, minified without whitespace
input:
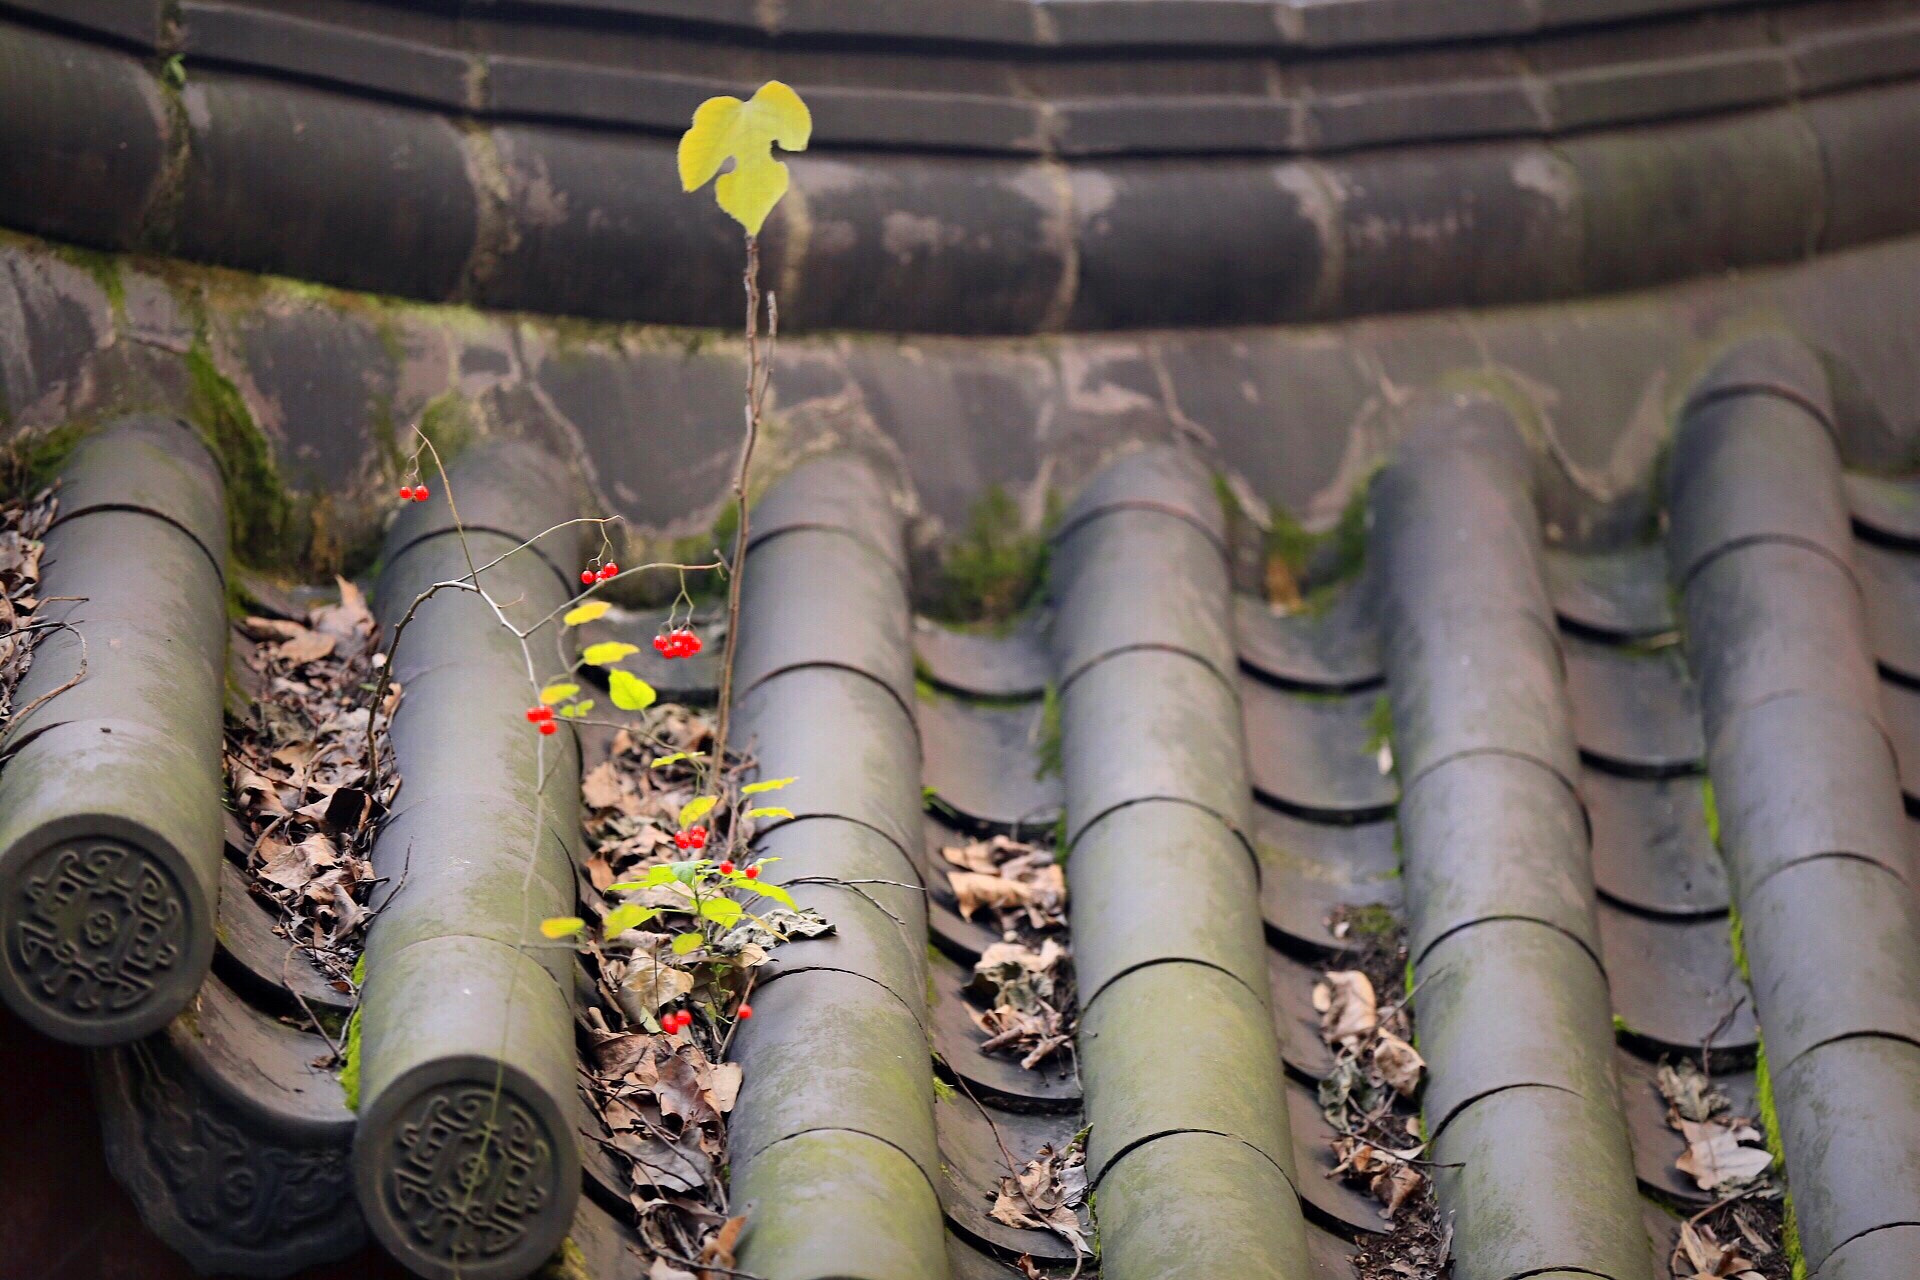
{"x":758,"y":380}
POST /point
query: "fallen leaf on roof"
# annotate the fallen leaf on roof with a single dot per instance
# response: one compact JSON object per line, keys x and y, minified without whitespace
{"x":1719,"y":1155}
{"x":1398,"y":1063}
{"x":1348,"y":1009}
{"x":1708,"y":1258}
{"x":1045,"y":1195}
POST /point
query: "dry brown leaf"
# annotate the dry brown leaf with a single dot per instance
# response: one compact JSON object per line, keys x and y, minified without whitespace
{"x":974,"y":890}
{"x":1717,"y":1154}
{"x":1398,"y":1063}
{"x":604,"y":787}
{"x":1348,"y":1009}
{"x":720,"y":1083}
{"x":664,"y":1270}
{"x":650,"y":984}
{"x":719,"y":1249}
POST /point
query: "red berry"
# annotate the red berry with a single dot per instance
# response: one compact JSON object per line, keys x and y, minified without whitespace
{"x":586,"y":577}
{"x":611,"y":570}
{"x":726,"y":868}
{"x":660,"y":644}
{"x":406,"y":493}
{"x":693,"y":644}
{"x":751,"y":873}
{"x":420,"y":493}
{"x":746,"y":1011}
{"x":537,"y":714}
{"x":548,"y":726}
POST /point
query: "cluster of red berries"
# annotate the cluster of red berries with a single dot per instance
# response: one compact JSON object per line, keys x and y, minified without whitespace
{"x":413,"y":493}
{"x":691,"y":838}
{"x":678,"y":1020}
{"x":590,"y":575}
{"x":678,"y":643}
{"x":542,"y":717}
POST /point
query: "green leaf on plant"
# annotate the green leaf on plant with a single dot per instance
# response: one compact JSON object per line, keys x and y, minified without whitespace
{"x":626,"y":916}
{"x":575,"y":710}
{"x":562,"y":926}
{"x":771,"y":784}
{"x":772,"y":811}
{"x":722,"y":911}
{"x":773,"y":891}
{"x":607,"y":652}
{"x":558,"y":693}
{"x":629,"y":692}
{"x":684,"y":871}
{"x":655,"y":878}
{"x":695,"y":809}
{"x":745,"y":131}
{"x":685,"y":942}
{"x":586,"y":613}
{"x":676,"y":758}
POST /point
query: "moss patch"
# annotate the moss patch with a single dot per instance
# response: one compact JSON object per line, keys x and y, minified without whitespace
{"x":567,"y":1263}
{"x":1047,"y":757}
{"x":995,"y":569}
{"x":349,"y":1073}
{"x":260,"y":515}
{"x":1712,"y":809}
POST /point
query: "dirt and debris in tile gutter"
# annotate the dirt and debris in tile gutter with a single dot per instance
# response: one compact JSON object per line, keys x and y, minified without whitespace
{"x":23,"y":523}
{"x":305,"y":793}
{"x":657,"y":1077}
{"x":1370,"y":1098}
{"x":1023,"y":985}
{"x":1739,"y":1235}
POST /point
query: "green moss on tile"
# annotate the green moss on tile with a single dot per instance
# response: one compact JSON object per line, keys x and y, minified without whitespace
{"x":1371,"y":920}
{"x":31,"y":460}
{"x":349,"y":1073}
{"x":261,"y":516}
{"x":995,"y":569}
{"x":1711,"y":807}
{"x":103,"y":267}
{"x":1379,"y":724}
{"x":1047,"y":758}
{"x":944,"y":1092}
{"x":567,"y":1263}
{"x":1737,"y":940}
{"x":1770,"y":1129}
{"x":1320,"y":563}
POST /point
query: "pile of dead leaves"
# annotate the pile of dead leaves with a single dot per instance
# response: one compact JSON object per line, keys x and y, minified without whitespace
{"x":664,"y":1097}
{"x":22,"y":526}
{"x":1024,"y":983}
{"x":1367,"y":1095}
{"x":1046,"y":1195}
{"x":631,"y":806}
{"x":1738,"y":1236}
{"x":307,"y":797}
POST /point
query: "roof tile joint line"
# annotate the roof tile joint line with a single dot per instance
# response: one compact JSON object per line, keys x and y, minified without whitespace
{"x":858,"y":822}
{"x":828,"y":665}
{"x":1560,"y":1271}
{"x":861,"y":540}
{"x":150,"y":513}
{"x":520,"y":540}
{"x":1449,"y":1118}
{"x":1775,"y":540}
{"x":1291,"y":684}
{"x":1264,"y":997}
{"x":1118,"y":505}
{"x":1782,"y":695}
{"x":1407,"y":785}
{"x":1893,"y":1036}
{"x":1884,"y":1226}
{"x":1776,"y":390}
{"x":1465,"y":925}
{"x":858,"y":1133}
{"x":473,"y":937}
{"x":919,"y":1016}
{"x":1822,"y":856}
{"x":1140,"y":1142}
{"x":1146,"y":647}
{"x":1246,"y":842}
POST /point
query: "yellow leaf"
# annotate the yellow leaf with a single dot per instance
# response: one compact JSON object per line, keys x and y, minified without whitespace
{"x":558,"y":693}
{"x":586,"y":613}
{"x":607,"y":652}
{"x":771,"y":784}
{"x":745,"y":132}
{"x":628,"y":691}
{"x":562,"y":926}
{"x":770,"y":812}
{"x":695,"y":809}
